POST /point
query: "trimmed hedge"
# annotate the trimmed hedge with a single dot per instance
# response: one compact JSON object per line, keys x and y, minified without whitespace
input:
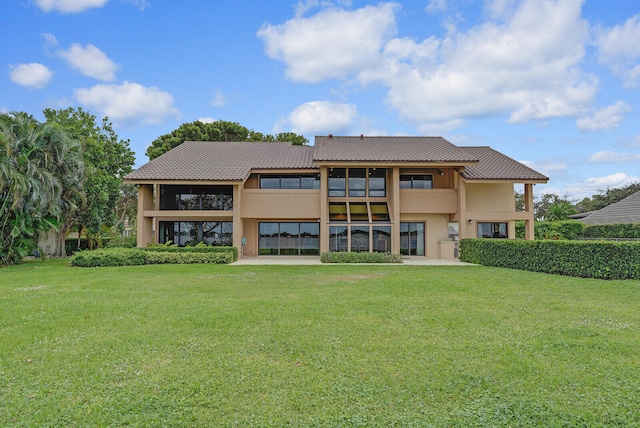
{"x":351,"y":257}
{"x":154,"y":255}
{"x":619,"y":230}
{"x":587,"y":259}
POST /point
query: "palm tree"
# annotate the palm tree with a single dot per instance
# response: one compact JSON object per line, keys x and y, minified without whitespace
{"x":38,"y":165}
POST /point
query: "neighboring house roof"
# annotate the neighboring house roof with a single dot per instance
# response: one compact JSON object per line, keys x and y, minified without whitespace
{"x":624,"y":211}
{"x":389,"y":149}
{"x":233,"y":161}
{"x":223,"y":161}
{"x":494,"y":165}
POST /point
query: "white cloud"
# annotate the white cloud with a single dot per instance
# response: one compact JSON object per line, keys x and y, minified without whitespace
{"x":619,"y":47}
{"x":50,"y":40}
{"x":90,"y":61}
{"x":206,"y":119}
{"x":436,"y":6}
{"x":607,"y":118}
{"x":69,"y":6}
{"x":321,"y":117}
{"x":219,"y":100}
{"x":3,"y":109}
{"x":334,"y":43}
{"x":546,"y":167}
{"x":33,"y":75}
{"x":594,"y":185}
{"x":613,"y":157}
{"x":516,"y":67}
{"x":511,"y":64}
{"x":128,"y":103}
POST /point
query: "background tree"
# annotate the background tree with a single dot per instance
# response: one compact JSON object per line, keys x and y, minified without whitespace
{"x":550,"y":206}
{"x":127,"y":206}
{"x":216,"y":131}
{"x":37,"y":163}
{"x":607,"y":197}
{"x":106,"y":159}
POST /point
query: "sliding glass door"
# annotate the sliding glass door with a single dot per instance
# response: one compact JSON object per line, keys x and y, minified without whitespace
{"x":412,"y":238}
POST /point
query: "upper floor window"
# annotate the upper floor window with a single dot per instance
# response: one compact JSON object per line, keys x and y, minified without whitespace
{"x":377,"y":182}
{"x":416,"y":181}
{"x":358,"y":181}
{"x":338,"y":182}
{"x":176,"y":197}
{"x":290,"y":181}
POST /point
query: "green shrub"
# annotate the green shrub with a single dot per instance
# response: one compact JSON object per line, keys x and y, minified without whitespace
{"x":619,"y":230}
{"x":154,"y":255}
{"x":158,"y":257}
{"x":351,"y":257}
{"x":589,"y":259}
{"x":119,"y":242}
{"x":233,"y":251}
{"x":109,"y":257}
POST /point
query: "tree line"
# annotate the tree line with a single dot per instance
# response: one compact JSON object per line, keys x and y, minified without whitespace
{"x":552,"y":207}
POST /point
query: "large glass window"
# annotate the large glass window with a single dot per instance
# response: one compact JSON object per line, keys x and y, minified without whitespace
{"x":379,"y":212}
{"x":416,"y":181}
{"x":173,"y":197}
{"x":492,"y":230}
{"x":360,"y":239}
{"x":377,"y":182}
{"x":218,"y":233}
{"x":289,"y":238}
{"x":358,"y":212}
{"x":357,"y":182}
{"x":338,"y":238}
{"x":268,"y":181}
{"x":338,"y":211}
{"x":337,"y":182}
{"x":381,"y":239}
{"x":412,"y":239}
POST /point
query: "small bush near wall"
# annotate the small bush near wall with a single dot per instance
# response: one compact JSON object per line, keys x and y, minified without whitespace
{"x":617,"y":231}
{"x":588,"y":259}
{"x":154,"y":255}
{"x":350,"y":257}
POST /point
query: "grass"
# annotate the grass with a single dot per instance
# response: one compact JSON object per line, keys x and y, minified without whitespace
{"x":203,"y":345}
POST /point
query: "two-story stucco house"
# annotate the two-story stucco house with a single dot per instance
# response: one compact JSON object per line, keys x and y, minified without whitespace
{"x":408,"y":195}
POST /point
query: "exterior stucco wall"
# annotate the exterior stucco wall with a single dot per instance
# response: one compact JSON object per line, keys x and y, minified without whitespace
{"x":489,"y":197}
{"x":436,"y":228}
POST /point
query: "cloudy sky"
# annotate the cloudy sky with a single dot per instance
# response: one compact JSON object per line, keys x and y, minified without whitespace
{"x":554,"y":84}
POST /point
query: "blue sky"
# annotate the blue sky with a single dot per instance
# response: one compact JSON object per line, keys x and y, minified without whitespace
{"x":553,"y":84}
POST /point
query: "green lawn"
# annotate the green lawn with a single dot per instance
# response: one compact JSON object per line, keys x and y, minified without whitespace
{"x":211,"y":345}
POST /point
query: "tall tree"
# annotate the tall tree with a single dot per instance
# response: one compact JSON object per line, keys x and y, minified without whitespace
{"x":106,"y":158}
{"x":607,"y":197}
{"x":216,"y":131}
{"x":37,"y":162}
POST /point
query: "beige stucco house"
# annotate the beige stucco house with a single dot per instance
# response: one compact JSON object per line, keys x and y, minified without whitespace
{"x":411,"y":195}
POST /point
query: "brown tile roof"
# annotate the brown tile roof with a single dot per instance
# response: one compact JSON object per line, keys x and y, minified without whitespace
{"x":494,"y":165}
{"x":222,"y":161}
{"x":624,"y":211}
{"x":389,"y":149}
